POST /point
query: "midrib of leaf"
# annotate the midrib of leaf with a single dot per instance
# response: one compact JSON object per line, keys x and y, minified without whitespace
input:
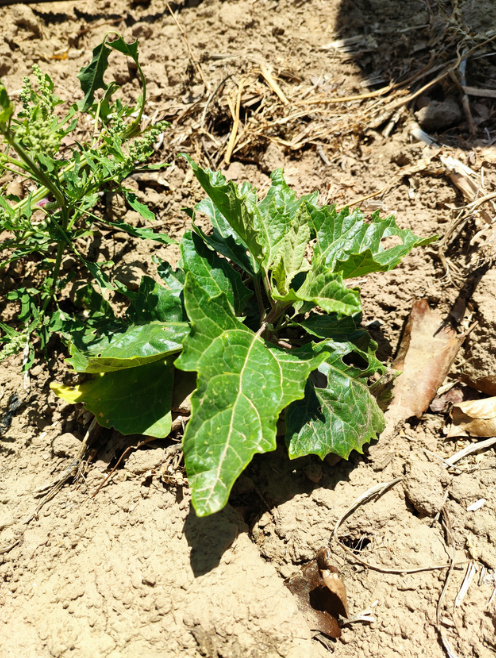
{"x":233,"y":414}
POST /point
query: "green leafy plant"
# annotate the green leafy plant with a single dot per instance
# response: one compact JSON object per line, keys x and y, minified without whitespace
{"x":66,"y":188}
{"x":273,"y":328}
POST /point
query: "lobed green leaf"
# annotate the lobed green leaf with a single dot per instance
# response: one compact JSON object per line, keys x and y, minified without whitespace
{"x":347,"y":244}
{"x":243,"y":384}
{"x":213,"y":274}
{"x":336,"y":415}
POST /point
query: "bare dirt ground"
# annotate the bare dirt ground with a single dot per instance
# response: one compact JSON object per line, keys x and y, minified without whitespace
{"x":132,"y":571}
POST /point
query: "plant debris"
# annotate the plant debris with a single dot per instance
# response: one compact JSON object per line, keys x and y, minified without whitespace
{"x":474,"y":418}
{"x":320,"y":594}
{"x":426,"y":353}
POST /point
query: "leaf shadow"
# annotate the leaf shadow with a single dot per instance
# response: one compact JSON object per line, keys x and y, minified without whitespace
{"x":209,"y":537}
{"x":277,"y":479}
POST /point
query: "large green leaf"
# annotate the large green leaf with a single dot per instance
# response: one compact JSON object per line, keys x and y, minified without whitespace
{"x":243,"y":385}
{"x":152,"y":329}
{"x":134,"y":401}
{"x":347,"y":244}
{"x":91,"y":76}
{"x":213,"y":274}
{"x":337,"y":415}
{"x":120,"y":346}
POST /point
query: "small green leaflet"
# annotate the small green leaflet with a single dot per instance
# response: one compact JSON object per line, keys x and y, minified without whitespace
{"x":337,"y":418}
{"x":91,"y":76}
{"x":343,"y":329}
{"x":144,"y":233}
{"x":223,"y":239}
{"x":134,"y":401}
{"x":6,"y":107}
{"x":326,"y":289}
{"x":237,"y":205}
{"x":141,"y":208}
{"x":243,"y":384}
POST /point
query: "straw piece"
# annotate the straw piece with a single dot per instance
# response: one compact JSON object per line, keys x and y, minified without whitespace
{"x":234,"y":131}
{"x":474,"y":447}
{"x":273,"y":84}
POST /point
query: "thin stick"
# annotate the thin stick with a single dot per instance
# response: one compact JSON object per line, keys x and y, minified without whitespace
{"x":483,"y":199}
{"x":183,"y":34}
{"x":124,"y":454}
{"x":465,"y":100}
{"x":474,"y":447}
{"x":54,"y":487}
{"x":234,"y":131}
{"x":449,"y":536}
{"x":374,"y":491}
{"x":467,"y":581}
{"x":363,"y":198}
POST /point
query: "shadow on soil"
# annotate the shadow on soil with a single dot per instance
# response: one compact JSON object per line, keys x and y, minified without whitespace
{"x":390,"y":41}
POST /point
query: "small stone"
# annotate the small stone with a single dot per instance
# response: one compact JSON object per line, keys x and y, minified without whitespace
{"x":272,"y":159}
{"x":136,"y":579}
{"x":6,"y":60}
{"x":313,"y":472}
{"x":69,"y":263}
{"x":6,"y":520}
{"x":423,"y":487}
{"x":243,"y":485}
{"x":439,"y":115}
{"x":15,"y":186}
{"x":134,"y":218}
{"x":23,"y":16}
{"x":464,"y":489}
{"x":142,"y":461}
{"x":332,"y":460}
{"x":66,"y":445}
{"x":142,"y":30}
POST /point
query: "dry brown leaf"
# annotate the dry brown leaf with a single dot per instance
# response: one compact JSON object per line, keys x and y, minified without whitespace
{"x":320,"y":594}
{"x":332,"y":579}
{"x":425,"y":356}
{"x":441,"y":403}
{"x":486,"y":385}
{"x":474,"y":418}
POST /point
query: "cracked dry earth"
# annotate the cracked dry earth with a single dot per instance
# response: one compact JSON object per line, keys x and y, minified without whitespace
{"x":132,"y":572}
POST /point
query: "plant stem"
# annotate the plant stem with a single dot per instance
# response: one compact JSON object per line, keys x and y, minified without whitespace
{"x":258,"y":293}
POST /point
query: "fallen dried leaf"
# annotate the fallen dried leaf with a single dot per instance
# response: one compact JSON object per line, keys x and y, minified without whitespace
{"x":425,"y":356}
{"x":332,"y":579}
{"x":320,"y":594}
{"x":441,"y":403}
{"x":474,"y":418}
{"x":486,"y":385}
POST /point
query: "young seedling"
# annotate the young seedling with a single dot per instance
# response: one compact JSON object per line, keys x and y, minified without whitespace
{"x":65,"y":184}
{"x":273,"y":327}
